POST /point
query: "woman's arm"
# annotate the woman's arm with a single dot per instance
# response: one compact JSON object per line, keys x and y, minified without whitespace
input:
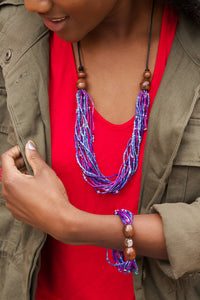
{"x":106,"y":231}
{"x":41,"y":201}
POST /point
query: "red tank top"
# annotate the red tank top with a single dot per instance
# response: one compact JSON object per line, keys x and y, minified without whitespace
{"x":81,"y":272}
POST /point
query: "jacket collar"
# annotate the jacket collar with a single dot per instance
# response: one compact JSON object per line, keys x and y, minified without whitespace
{"x":12,"y":2}
{"x":188,"y":34}
{"x":170,"y":113}
{"x":33,"y":30}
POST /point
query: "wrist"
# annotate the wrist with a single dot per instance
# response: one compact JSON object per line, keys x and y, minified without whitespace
{"x":67,"y":224}
{"x":81,"y":228}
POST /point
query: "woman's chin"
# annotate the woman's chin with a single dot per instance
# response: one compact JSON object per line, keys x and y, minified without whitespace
{"x":70,"y":36}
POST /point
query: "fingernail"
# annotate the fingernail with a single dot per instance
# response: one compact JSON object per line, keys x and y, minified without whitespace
{"x":31,"y":145}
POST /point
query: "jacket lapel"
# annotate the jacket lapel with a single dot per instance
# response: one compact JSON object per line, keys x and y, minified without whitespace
{"x":169,"y":116}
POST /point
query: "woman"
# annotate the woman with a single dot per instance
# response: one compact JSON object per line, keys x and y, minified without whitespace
{"x":114,"y":37}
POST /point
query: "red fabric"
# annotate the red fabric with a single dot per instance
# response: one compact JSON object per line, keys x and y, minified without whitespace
{"x":81,"y":272}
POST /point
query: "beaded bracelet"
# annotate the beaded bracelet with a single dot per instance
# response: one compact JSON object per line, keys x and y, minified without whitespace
{"x":128,"y":265}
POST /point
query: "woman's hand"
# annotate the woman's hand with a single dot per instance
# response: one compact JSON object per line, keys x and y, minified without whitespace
{"x":38,"y":200}
{"x":41,"y":201}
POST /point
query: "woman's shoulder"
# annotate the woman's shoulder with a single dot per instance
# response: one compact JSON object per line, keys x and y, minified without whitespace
{"x":13,"y":14}
{"x":20,"y":30}
{"x":16,"y":19}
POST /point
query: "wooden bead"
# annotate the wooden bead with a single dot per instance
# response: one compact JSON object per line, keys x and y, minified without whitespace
{"x":145,"y":85}
{"x":130,"y":253}
{"x":128,"y":231}
{"x":147,"y":74}
{"x":81,"y":84}
{"x":81,"y":74}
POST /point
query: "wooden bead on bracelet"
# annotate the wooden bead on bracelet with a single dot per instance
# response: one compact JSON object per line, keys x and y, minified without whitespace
{"x":128,"y":231}
{"x":129,"y":251}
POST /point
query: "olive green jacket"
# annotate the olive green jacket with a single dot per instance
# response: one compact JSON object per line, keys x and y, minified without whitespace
{"x":170,"y":176}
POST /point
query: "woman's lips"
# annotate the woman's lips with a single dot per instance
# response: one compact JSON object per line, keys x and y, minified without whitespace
{"x":55,"y":24}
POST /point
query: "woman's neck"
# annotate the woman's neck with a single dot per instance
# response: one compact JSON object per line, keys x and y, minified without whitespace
{"x":128,"y":18}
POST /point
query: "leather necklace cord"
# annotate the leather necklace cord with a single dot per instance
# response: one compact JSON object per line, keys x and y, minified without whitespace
{"x":150,"y":35}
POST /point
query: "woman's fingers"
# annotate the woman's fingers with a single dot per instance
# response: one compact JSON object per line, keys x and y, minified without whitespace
{"x":25,"y":171}
{"x":19,"y":162}
{"x":12,"y":160}
{"x":35,"y":160}
{"x":9,"y":159}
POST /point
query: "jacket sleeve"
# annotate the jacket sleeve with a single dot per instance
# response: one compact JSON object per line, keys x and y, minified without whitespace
{"x":181,"y":226}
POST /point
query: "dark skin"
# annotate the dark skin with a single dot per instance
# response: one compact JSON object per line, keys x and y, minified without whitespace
{"x":41,"y":200}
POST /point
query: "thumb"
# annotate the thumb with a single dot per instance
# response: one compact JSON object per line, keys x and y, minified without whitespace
{"x":34,"y":159}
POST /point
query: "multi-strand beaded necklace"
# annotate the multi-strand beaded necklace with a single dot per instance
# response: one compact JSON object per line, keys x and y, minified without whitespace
{"x":85,"y":132}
